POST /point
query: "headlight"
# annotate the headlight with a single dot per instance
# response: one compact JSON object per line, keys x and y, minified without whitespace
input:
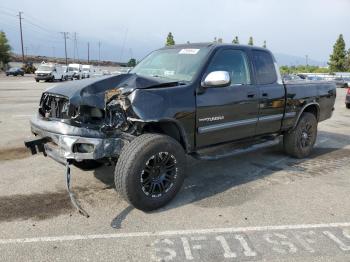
{"x":88,"y":114}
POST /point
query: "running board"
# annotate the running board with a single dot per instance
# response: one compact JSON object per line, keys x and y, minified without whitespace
{"x":219,"y":152}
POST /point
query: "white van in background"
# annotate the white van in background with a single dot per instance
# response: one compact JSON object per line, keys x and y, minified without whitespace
{"x":67,"y":74}
{"x":88,"y":71}
{"x":49,"y":72}
{"x":76,"y":70}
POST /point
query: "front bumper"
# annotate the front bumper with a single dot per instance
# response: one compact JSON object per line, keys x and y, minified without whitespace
{"x":43,"y":77}
{"x":60,"y":141}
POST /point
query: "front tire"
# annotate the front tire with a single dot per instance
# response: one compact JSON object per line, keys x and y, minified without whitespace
{"x":150,"y":171}
{"x":348,"y":106}
{"x":300,"y":141}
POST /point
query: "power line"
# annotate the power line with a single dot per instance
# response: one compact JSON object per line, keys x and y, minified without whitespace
{"x":7,"y":13}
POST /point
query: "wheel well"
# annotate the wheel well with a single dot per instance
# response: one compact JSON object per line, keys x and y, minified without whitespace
{"x":166,"y":128}
{"x":312,"y":109}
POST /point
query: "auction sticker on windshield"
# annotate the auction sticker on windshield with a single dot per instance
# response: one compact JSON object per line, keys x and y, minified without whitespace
{"x":189,"y":51}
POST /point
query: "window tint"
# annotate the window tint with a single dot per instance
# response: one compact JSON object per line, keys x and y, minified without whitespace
{"x":234,"y":62}
{"x":265,"y":68}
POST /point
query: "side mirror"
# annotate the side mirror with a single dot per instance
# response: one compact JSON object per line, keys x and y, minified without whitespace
{"x":217,"y":79}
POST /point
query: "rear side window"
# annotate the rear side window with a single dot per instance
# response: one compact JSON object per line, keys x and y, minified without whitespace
{"x":264,"y":67}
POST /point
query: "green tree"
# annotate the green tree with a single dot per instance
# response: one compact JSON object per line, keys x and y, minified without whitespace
{"x":337,"y":59}
{"x":5,"y":49}
{"x":235,"y":40}
{"x":347,"y":61}
{"x":303,"y":69}
{"x":131,"y":63}
{"x":264,"y":45}
{"x":170,"y":40}
{"x":251,"y":42}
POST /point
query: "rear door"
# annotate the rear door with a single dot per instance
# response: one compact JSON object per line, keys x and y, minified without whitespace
{"x":271,"y":93}
{"x":227,"y":113}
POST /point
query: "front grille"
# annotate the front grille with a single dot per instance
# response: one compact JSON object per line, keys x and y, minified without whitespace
{"x":42,"y":74}
{"x":54,"y":106}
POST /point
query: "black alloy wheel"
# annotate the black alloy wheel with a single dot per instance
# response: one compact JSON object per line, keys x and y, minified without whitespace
{"x":159,"y":174}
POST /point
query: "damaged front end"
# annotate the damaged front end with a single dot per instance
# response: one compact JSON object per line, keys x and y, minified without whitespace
{"x":65,"y":131}
{"x":89,"y":120}
{"x":93,"y":119}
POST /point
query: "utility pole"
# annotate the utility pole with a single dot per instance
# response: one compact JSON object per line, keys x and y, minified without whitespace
{"x":20,"y":27}
{"x":75,"y":47}
{"x":307,"y":60}
{"x":99,"y":52}
{"x":65,"y":36}
{"x":88,"y":53}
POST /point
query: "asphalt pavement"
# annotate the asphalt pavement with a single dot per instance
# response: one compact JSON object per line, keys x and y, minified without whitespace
{"x":260,"y":206}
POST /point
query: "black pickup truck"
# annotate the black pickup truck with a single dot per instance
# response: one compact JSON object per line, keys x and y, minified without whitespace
{"x":205,"y":100}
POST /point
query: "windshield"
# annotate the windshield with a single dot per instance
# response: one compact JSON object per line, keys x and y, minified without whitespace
{"x":45,"y":68}
{"x":176,"y":64}
{"x":72,"y":69}
{"x":13,"y":69}
{"x":86,"y":69}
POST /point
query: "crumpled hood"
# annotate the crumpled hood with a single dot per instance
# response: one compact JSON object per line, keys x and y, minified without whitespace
{"x":91,"y":92}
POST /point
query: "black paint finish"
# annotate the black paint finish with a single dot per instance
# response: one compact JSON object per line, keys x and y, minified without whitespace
{"x":208,"y":116}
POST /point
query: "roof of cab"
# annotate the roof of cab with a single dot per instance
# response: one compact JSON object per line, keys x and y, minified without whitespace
{"x":213,"y":45}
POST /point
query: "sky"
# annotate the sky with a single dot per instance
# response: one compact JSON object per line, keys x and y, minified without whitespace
{"x":132,"y":28}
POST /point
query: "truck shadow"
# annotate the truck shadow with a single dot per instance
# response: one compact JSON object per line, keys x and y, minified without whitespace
{"x":224,"y":182}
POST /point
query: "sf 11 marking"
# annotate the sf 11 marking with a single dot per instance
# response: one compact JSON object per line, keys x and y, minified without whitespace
{"x":253,"y":245}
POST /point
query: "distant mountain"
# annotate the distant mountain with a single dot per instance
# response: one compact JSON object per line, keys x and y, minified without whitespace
{"x":284,"y":59}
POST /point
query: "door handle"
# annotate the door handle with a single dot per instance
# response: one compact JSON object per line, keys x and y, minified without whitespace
{"x":250,"y":95}
{"x":265,"y":94}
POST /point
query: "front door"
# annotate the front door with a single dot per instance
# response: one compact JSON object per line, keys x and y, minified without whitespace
{"x":227,"y":113}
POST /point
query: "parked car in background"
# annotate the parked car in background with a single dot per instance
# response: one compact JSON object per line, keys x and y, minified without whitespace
{"x":347,"y":99}
{"x":49,"y":72}
{"x":15,"y":71}
{"x":76,"y":70}
{"x":290,"y":77}
{"x":314,"y":78}
{"x":342,"y":82}
{"x":66,"y":73}
{"x":106,"y":72}
{"x":88,"y":71}
{"x":121,"y":70}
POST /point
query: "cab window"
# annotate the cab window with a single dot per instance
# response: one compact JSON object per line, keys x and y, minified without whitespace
{"x":264,"y":67}
{"x":234,"y":62}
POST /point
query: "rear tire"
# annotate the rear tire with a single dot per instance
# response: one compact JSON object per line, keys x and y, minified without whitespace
{"x":348,"y":106}
{"x":150,"y":171}
{"x":300,"y":141}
